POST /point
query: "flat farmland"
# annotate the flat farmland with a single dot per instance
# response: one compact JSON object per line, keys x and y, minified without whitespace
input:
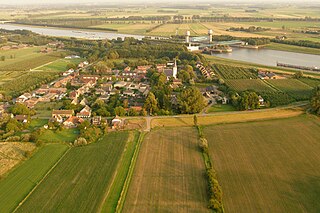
{"x":25,"y":59}
{"x":169,"y":175}
{"x":81,"y":179}
{"x":18,"y":183}
{"x":132,"y":28}
{"x":268,"y":166}
{"x":294,"y":87}
{"x":240,"y":85}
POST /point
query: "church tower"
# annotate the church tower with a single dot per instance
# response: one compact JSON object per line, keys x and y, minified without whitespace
{"x":175,"y":69}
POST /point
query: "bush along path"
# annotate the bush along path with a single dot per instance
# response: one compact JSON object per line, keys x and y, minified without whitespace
{"x":214,"y":189}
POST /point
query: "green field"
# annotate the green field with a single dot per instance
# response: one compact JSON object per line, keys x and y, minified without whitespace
{"x":268,"y":166}
{"x":240,"y":85}
{"x":311,"y":82}
{"x":26,"y":176}
{"x":25,"y":59}
{"x":294,"y":87}
{"x":81,"y":179}
{"x":56,"y":136}
{"x":221,"y":108}
{"x":59,"y":65}
{"x":291,"y":48}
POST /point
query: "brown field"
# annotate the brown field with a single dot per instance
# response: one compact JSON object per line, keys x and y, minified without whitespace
{"x":169,"y":175}
{"x":268,"y":166}
{"x":12,"y":153}
{"x":228,"y":117}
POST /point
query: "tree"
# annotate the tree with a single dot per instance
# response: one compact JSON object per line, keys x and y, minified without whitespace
{"x":315,"y":101}
{"x":80,"y":142}
{"x":248,"y":100}
{"x":21,"y":109}
{"x":195,"y":120}
{"x":151,"y":104}
{"x":191,"y":101}
{"x":298,"y":74}
{"x":120,"y":111}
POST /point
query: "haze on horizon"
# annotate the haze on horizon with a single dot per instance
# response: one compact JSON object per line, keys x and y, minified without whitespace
{"x":26,"y":2}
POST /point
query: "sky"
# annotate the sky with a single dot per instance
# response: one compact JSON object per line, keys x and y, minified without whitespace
{"x":20,"y":2}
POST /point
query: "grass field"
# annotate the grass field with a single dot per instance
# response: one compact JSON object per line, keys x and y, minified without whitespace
{"x":294,"y":87}
{"x":240,"y":85}
{"x":59,"y":65}
{"x":25,"y":177}
{"x":269,"y":166}
{"x":65,"y":135}
{"x":12,"y":153}
{"x":311,"y":82}
{"x":81,"y":179}
{"x":169,"y":174}
{"x":221,"y":108}
{"x":291,"y":48}
{"x":227,"y":117}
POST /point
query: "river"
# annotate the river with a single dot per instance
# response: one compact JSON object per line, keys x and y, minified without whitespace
{"x":271,"y":57}
{"x":258,"y":56}
{"x":69,"y":32}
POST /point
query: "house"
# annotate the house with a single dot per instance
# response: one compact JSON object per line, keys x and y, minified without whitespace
{"x":88,"y":78}
{"x":261,"y":101}
{"x":107,"y":87}
{"x":127,"y":69}
{"x":72,"y":122}
{"x":96,"y":120}
{"x":83,"y":102}
{"x":120,"y":84}
{"x":62,"y":113}
{"x":128,"y":93}
{"x":23,"y":98}
{"x":116,"y":122}
{"x":31,"y":102}
{"x":85,"y":112}
{"x":22,"y":118}
{"x":224,"y":100}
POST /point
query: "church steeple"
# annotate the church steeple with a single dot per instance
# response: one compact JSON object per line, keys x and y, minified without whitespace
{"x":175,"y":69}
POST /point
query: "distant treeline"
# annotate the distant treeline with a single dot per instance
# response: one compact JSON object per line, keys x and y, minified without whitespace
{"x":302,"y":43}
{"x":250,"y":29}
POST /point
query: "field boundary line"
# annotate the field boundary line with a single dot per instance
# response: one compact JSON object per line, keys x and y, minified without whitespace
{"x":42,"y":179}
{"x":130,"y":174}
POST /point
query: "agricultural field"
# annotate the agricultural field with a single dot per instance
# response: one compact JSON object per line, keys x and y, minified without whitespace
{"x":25,"y":59}
{"x":127,"y":27}
{"x":26,"y":82}
{"x":81,"y":180}
{"x":295,"y":88}
{"x":226,"y":117}
{"x":19,"y":182}
{"x":240,"y":85}
{"x":169,"y":174}
{"x":59,"y":65}
{"x":12,"y":153}
{"x":268,"y":166}
{"x":310,"y":81}
{"x":232,"y":72}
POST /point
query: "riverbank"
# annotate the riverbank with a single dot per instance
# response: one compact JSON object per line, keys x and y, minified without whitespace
{"x":292,"y":48}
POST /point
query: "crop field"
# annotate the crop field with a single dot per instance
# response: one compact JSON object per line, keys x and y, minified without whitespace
{"x":25,"y":59}
{"x":232,"y":72}
{"x":12,"y":153}
{"x":131,"y":28}
{"x":268,"y":166}
{"x":19,"y":182}
{"x":81,"y":179}
{"x":26,"y":82}
{"x":311,"y":82}
{"x":294,"y":87}
{"x":169,"y":175}
{"x":240,"y":85}
{"x":226,"y":117}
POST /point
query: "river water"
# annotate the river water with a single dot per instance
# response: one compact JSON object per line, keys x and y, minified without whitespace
{"x":258,"y":56}
{"x":271,"y":57}
{"x":68,"y":32}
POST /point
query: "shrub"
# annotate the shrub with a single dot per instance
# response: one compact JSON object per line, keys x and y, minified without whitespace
{"x":80,"y":142}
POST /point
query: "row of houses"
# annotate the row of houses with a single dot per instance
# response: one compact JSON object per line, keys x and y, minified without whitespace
{"x":208,"y":74}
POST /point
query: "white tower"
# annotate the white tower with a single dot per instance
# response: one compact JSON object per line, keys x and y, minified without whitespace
{"x":210,"y":32}
{"x":188,"y":36}
{"x":175,"y":69}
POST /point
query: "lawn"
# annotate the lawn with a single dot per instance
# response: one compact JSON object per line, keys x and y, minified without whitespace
{"x":25,"y":177}
{"x":60,"y":65}
{"x":269,"y":166}
{"x":81,"y":180}
{"x":169,"y":174}
{"x":221,"y":108}
{"x":295,"y":88}
{"x":44,"y":109}
{"x":56,"y":136}
{"x":240,"y":85}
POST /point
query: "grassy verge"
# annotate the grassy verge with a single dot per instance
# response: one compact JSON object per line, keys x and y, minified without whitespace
{"x":126,"y":185}
{"x":18,"y":183}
